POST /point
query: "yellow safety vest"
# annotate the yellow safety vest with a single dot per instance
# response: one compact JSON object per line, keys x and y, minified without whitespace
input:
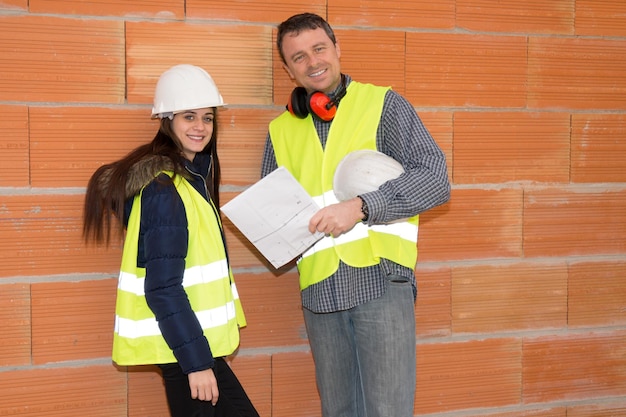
{"x":298,"y":148}
{"x":207,"y":280}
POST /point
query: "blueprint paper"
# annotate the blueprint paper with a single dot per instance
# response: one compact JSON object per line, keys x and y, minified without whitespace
{"x":273,"y":214}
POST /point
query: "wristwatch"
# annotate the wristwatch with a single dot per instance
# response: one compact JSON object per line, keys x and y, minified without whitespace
{"x":364,"y":209}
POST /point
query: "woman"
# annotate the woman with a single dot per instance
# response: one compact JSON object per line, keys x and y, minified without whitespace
{"x":177,"y":305}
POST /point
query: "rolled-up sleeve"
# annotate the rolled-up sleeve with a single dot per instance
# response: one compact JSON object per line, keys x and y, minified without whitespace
{"x":424,"y":184}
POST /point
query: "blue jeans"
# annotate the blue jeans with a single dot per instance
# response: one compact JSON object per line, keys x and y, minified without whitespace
{"x":365,"y":357}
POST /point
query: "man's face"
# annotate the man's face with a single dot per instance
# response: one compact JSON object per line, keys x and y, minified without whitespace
{"x":312,"y":60}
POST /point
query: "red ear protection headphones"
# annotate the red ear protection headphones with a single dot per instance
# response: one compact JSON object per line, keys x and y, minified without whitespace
{"x":318,"y":104}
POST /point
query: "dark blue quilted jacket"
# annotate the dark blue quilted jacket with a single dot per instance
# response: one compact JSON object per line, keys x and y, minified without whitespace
{"x":163,"y":239}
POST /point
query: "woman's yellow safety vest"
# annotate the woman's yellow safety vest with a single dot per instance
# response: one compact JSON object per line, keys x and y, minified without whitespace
{"x":298,"y":148}
{"x":207,"y":280}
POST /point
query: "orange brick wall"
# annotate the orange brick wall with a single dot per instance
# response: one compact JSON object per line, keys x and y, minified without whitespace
{"x":522,"y":275}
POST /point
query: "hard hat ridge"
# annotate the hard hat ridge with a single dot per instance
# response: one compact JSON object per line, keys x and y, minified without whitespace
{"x":184,"y":87}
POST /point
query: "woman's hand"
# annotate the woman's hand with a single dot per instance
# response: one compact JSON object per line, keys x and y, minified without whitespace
{"x":203,"y":386}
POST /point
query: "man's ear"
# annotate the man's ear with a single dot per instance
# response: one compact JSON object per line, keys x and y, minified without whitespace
{"x":338,"y":49}
{"x":289,"y":71}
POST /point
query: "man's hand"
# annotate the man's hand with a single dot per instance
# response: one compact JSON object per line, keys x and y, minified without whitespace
{"x":203,"y":386}
{"x":337,"y":218}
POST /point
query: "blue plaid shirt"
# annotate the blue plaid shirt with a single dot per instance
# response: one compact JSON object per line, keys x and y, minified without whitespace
{"x":401,"y":135}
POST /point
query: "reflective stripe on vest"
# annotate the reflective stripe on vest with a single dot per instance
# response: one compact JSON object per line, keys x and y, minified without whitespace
{"x":354,"y":127}
{"x":207,"y":280}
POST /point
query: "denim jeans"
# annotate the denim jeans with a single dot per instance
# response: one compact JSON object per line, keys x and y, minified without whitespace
{"x":365,"y":357}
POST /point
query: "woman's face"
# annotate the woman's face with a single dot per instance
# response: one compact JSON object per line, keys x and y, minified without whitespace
{"x":194,"y":129}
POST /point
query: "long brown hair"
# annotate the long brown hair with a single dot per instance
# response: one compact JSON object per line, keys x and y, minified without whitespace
{"x":108,"y":188}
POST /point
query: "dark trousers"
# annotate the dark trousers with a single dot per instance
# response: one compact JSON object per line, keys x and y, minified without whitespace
{"x":233,"y":400}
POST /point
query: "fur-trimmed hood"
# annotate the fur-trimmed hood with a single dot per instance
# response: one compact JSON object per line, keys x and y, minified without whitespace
{"x":140,"y":174}
{"x":144,"y":171}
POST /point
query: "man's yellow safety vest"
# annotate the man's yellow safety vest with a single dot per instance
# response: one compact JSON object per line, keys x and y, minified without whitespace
{"x":298,"y":148}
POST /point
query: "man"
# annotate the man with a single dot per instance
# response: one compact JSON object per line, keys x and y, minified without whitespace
{"x":358,"y":283}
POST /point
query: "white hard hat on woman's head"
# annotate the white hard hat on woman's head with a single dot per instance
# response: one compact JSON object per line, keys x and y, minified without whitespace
{"x":184,"y":87}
